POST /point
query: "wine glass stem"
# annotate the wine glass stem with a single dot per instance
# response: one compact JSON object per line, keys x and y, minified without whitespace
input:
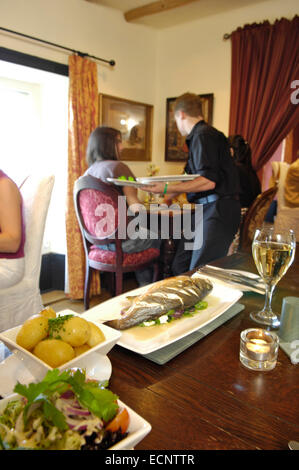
{"x":268,"y":299}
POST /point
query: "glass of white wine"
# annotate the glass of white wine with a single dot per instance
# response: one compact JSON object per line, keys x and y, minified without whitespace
{"x":273,"y":253}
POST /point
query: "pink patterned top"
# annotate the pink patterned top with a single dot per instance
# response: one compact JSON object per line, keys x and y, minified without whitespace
{"x":20,"y":252}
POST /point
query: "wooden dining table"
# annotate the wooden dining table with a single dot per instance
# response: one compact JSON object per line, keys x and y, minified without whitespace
{"x":173,"y":218}
{"x":204,"y":398}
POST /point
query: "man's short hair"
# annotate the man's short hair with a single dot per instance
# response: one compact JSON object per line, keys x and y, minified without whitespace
{"x":190,"y":103}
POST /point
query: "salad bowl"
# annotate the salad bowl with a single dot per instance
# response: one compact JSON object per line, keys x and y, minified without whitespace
{"x":87,"y":360}
{"x":85,"y":419}
{"x":138,"y":427}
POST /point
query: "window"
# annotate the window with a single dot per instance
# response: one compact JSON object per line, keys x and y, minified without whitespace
{"x":20,"y":124}
{"x":33,"y":129}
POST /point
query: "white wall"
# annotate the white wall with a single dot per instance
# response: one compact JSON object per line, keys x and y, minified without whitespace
{"x":42,"y":137}
{"x":150,"y":65}
{"x":90,"y":28}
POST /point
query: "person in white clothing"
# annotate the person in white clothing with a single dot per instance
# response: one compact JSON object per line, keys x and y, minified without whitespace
{"x":12,"y":233}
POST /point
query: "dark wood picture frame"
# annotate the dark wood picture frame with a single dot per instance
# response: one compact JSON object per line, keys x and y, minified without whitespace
{"x":175,"y":147}
{"x":135,"y":122}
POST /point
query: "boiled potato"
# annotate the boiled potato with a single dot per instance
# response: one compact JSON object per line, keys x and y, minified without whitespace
{"x":32,"y":332}
{"x":48,"y":312}
{"x":96,"y":335}
{"x":81,"y":349}
{"x":54,"y":352}
{"x":74,"y":330}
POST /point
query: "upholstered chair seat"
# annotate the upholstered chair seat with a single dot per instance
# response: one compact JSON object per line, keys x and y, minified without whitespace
{"x":97,"y":210}
{"x":132,"y":259}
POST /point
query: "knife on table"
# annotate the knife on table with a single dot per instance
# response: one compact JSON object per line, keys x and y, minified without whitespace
{"x":238,"y":279}
{"x":242,"y":275}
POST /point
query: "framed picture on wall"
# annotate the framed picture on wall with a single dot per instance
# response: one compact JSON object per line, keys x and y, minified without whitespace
{"x":175,"y":146}
{"x":133,"y":120}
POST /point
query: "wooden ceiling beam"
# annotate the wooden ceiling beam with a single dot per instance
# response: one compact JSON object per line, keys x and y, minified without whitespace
{"x":154,"y":7}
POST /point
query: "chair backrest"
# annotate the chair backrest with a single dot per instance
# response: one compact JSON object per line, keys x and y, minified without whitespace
{"x":96,"y":206}
{"x":255,"y":217}
{"x":36,"y":192}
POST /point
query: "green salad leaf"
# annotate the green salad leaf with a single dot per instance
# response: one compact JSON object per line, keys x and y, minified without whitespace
{"x":98,"y":400}
{"x":201,"y":305}
{"x":92,"y":395}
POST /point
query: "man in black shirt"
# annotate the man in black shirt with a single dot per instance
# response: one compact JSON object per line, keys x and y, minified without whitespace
{"x":216,"y":188}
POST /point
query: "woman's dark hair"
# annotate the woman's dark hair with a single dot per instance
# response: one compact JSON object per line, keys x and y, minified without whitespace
{"x":241,"y":148}
{"x":102,"y":144}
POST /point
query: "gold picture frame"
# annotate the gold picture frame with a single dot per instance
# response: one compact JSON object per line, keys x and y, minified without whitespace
{"x":135,"y":122}
{"x":175,"y":146}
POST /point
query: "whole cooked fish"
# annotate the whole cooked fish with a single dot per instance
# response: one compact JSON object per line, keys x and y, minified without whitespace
{"x":177,"y":292}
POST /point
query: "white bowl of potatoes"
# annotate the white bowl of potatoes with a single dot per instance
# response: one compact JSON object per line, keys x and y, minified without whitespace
{"x":66,"y":340}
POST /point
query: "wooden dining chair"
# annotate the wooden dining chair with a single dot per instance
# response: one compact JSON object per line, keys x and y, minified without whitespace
{"x":254,"y":217}
{"x":96,"y":206}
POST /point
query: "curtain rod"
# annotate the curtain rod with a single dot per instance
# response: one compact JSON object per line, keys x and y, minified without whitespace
{"x":81,"y":54}
{"x":226,"y":36}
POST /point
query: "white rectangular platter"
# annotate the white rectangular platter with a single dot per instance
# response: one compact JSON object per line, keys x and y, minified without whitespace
{"x":144,"y":340}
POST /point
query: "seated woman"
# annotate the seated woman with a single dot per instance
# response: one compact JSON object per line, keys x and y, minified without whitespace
{"x":12,"y":233}
{"x":250,"y":186}
{"x":103,"y":152}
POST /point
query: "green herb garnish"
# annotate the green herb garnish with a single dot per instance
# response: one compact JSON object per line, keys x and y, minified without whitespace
{"x":171,"y":312}
{"x":55,"y":325}
{"x":170,"y":318}
{"x":201,"y":305}
{"x":189,"y":312}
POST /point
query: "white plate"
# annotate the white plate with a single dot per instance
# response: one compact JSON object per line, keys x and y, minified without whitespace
{"x":137,"y":430}
{"x":144,"y":340}
{"x":167,"y":178}
{"x":117,"y":182}
{"x":39,"y":368}
{"x":13,"y":369}
{"x":247,"y":273}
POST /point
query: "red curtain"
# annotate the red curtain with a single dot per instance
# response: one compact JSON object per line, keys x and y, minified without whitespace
{"x":83,"y":119}
{"x":264,"y":66}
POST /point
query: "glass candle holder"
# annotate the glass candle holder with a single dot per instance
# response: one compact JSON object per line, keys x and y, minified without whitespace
{"x":258,"y":349}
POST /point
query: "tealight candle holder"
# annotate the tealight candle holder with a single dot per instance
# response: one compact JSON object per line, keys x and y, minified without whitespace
{"x":258,"y":349}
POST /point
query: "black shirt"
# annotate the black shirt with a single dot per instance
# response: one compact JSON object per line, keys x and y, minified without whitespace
{"x":250,"y":186}
{"x":209,"y":156}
